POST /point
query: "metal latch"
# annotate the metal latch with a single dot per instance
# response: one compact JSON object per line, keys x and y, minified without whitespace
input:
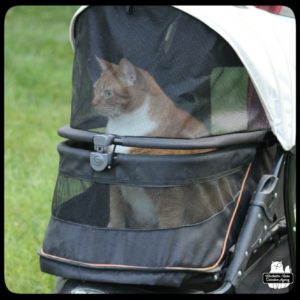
{"x":101,"y":159}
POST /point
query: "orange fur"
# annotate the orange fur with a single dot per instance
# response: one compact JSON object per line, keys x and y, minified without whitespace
{"x":150,"y":151}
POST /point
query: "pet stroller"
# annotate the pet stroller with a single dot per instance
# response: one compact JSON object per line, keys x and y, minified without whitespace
{"x":212,"y":218}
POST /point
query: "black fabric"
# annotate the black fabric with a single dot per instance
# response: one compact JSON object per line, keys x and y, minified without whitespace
{"x":67,"y":286}
{"x":196,"y":245}
{"x":188,"y":246}
{"x":143,"y":32}
{"x":154,"y":170}
{"x":166,"y":279}
{"x":74,"y":201}
{"x":153,"y":191}
{"x":89,"y":207}
{"x":193,"y":65}
{"x":251,"y":283}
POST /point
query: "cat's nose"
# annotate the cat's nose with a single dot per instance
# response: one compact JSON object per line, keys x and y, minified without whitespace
{"x":94,"y":101}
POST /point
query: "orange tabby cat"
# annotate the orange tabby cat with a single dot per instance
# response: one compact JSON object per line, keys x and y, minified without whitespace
{"x":135,"y":105}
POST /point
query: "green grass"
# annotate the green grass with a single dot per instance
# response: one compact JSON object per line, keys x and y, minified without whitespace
{"x":38,"y":74}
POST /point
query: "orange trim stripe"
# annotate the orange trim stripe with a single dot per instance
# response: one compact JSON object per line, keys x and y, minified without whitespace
{"x":42,"y":253}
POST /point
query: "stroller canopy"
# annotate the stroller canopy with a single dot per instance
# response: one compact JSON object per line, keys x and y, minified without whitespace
{"x":267,"y":49}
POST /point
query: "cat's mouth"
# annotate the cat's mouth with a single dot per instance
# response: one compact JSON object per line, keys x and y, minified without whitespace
{"x":109,"y":112}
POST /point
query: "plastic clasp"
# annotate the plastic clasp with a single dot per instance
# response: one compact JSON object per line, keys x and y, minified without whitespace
{"x":102,"y":141}
{"x":100,"y":160}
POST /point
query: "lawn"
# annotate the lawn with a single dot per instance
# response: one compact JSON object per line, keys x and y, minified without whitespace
{"x":38,"y":74}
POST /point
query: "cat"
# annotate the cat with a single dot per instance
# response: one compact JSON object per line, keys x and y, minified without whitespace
{"x":135,"y":105}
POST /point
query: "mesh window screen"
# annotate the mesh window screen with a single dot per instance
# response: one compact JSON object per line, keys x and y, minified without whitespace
{"x":137,"y":207}
{"x":158,"y":72}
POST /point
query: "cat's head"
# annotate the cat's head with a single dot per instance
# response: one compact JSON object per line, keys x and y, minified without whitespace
{"x":276,"y":266}
{"x":114,"y":89}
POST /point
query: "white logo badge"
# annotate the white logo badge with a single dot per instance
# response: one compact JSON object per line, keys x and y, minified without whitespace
{"x":278,"y":278}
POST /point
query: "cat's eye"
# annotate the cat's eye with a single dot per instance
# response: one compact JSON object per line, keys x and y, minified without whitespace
{"x":107,"y":93}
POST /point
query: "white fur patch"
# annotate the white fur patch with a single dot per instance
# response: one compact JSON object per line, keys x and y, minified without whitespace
{"x":141,"y":203}
{"x":136,"y":123}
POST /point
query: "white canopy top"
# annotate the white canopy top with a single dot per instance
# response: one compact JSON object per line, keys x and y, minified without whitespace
{"x":266,"y":44}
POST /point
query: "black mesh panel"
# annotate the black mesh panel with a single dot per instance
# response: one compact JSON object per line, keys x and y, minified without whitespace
{"x":193,"y":66}
{"x":124,"y":206}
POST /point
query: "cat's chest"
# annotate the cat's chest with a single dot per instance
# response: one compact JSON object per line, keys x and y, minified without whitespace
{"x":136,"y":123}
{"x":142,"y":206}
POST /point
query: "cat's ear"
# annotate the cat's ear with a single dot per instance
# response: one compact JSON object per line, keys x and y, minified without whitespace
{"x":104,"y":65}
{"x":127,"y":72}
